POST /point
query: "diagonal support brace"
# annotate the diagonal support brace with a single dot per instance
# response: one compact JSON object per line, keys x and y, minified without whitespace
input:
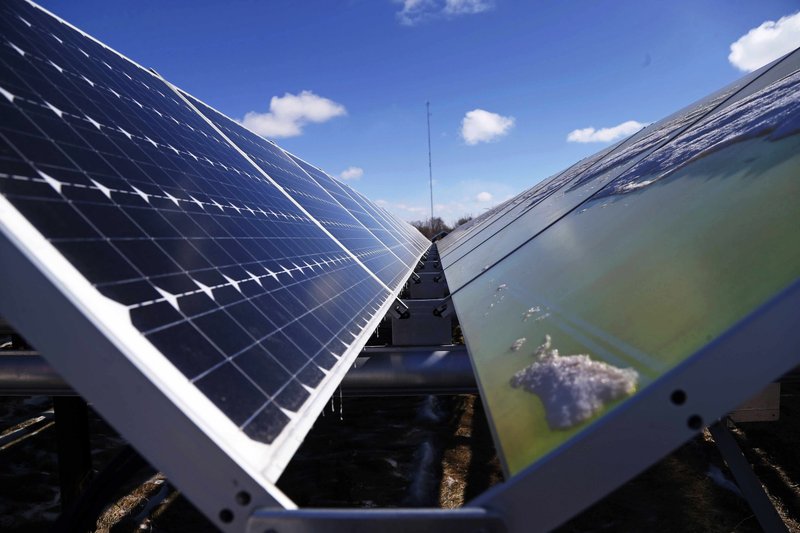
{"x":746,"y":479}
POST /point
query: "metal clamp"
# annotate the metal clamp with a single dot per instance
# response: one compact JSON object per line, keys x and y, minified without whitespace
{"x":445,"y":309}
{"x":399,"y":309}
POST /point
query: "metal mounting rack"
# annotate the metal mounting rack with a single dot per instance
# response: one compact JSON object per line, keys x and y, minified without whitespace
{"x":446,"y":369}
{"x":180,"y":256}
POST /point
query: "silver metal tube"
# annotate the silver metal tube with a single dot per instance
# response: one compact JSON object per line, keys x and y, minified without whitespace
{"x":393,"y":371}
{"x":28,"y":374}
{"x":379,"y":371}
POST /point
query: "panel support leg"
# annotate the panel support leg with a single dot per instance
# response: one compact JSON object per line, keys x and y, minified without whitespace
{"x":74,"y":449}
{"x":748,"y":483}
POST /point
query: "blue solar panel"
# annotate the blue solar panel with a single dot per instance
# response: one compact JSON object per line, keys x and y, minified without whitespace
{"x":403,"y":247}
{"x":306,"y":188}
{"x":230,"y":258}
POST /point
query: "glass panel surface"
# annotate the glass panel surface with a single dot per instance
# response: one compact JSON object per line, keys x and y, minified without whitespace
{"x":657,"y":265}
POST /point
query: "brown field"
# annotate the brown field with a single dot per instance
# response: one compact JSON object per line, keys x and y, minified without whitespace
{"x":422,"y":451}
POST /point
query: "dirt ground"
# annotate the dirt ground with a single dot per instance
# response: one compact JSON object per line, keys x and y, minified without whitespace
{"x":421,"y":451}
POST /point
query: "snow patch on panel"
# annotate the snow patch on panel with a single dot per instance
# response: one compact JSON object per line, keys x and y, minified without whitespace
{"x":573,"y":388}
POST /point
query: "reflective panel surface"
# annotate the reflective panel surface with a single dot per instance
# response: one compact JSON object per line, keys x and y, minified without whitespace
{"x":251,"y":285}
{"x":591,"y":307}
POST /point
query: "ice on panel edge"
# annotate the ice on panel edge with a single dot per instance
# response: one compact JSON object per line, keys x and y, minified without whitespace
{"x":573,"y":388}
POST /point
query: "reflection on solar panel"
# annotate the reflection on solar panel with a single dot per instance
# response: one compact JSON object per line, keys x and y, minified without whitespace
{"x":238,"y":279}
{"x":314,"y":191}
{"x":597,"y":282}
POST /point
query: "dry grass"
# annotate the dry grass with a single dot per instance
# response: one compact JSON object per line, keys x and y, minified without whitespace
{"x":126,"y":508}
{"x":371,"y":458}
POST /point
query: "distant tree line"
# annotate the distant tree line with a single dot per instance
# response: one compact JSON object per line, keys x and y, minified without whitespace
{"x":436,"y":225}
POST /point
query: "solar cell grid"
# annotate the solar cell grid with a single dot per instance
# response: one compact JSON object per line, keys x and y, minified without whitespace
{"x":393,"y":239}
{"x":307,"y":191}
{"x":241,"y":270}
{"x":397,"y":243}
{"x":388,"y":222}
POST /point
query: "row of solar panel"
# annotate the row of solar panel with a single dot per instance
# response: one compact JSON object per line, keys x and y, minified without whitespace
{"x":635,"y":255}
{"x":499,"y":230}
{"x":249,"y":269}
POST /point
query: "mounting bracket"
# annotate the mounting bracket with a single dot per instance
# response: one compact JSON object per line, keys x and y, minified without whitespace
{"x":399,"y":310}
{"x":424,"y":326}
{"x":430,"y":285}
{"x":444,"y":309}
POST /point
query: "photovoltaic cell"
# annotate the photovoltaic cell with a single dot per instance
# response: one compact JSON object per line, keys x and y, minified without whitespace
{"x":227,"y":256}
{"x":388,"y":225}
{"x":581,"y":292}
{"x":402,"y":245}
{"x":318,"y":201}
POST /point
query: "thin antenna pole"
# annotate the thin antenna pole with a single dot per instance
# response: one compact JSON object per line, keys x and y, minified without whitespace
{"x":430,"y":165}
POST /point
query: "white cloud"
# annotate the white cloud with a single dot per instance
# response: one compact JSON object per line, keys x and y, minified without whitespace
{"x":480,"y":125}
{"x":415,"y":209}
{"x":406,"y":210}
{"x":416,"y":11}
{"x":412,"y":208}
{"x":453,"y":200}
{"x":351,"y":173}
{"x":604,"y":135}
{"x":769,"y":41}
{"x":466,"y":7}
{"x":288,"y":114}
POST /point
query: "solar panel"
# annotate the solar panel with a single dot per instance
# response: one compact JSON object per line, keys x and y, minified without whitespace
{"x":545,"y":203}
{"x":582,"y":294}
{"x":305,"y":185}
{"x":404,"y":241}
{"x":206,"y":260}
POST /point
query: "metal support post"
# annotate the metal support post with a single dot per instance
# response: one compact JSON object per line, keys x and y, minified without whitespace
{"x":74,"y":448}
{"x":378,"y":371}
{"x":411,"y":371}
{"x":748,"y":483}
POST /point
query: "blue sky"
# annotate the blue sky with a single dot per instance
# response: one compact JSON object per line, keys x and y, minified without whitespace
{"x":343,"y":84}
